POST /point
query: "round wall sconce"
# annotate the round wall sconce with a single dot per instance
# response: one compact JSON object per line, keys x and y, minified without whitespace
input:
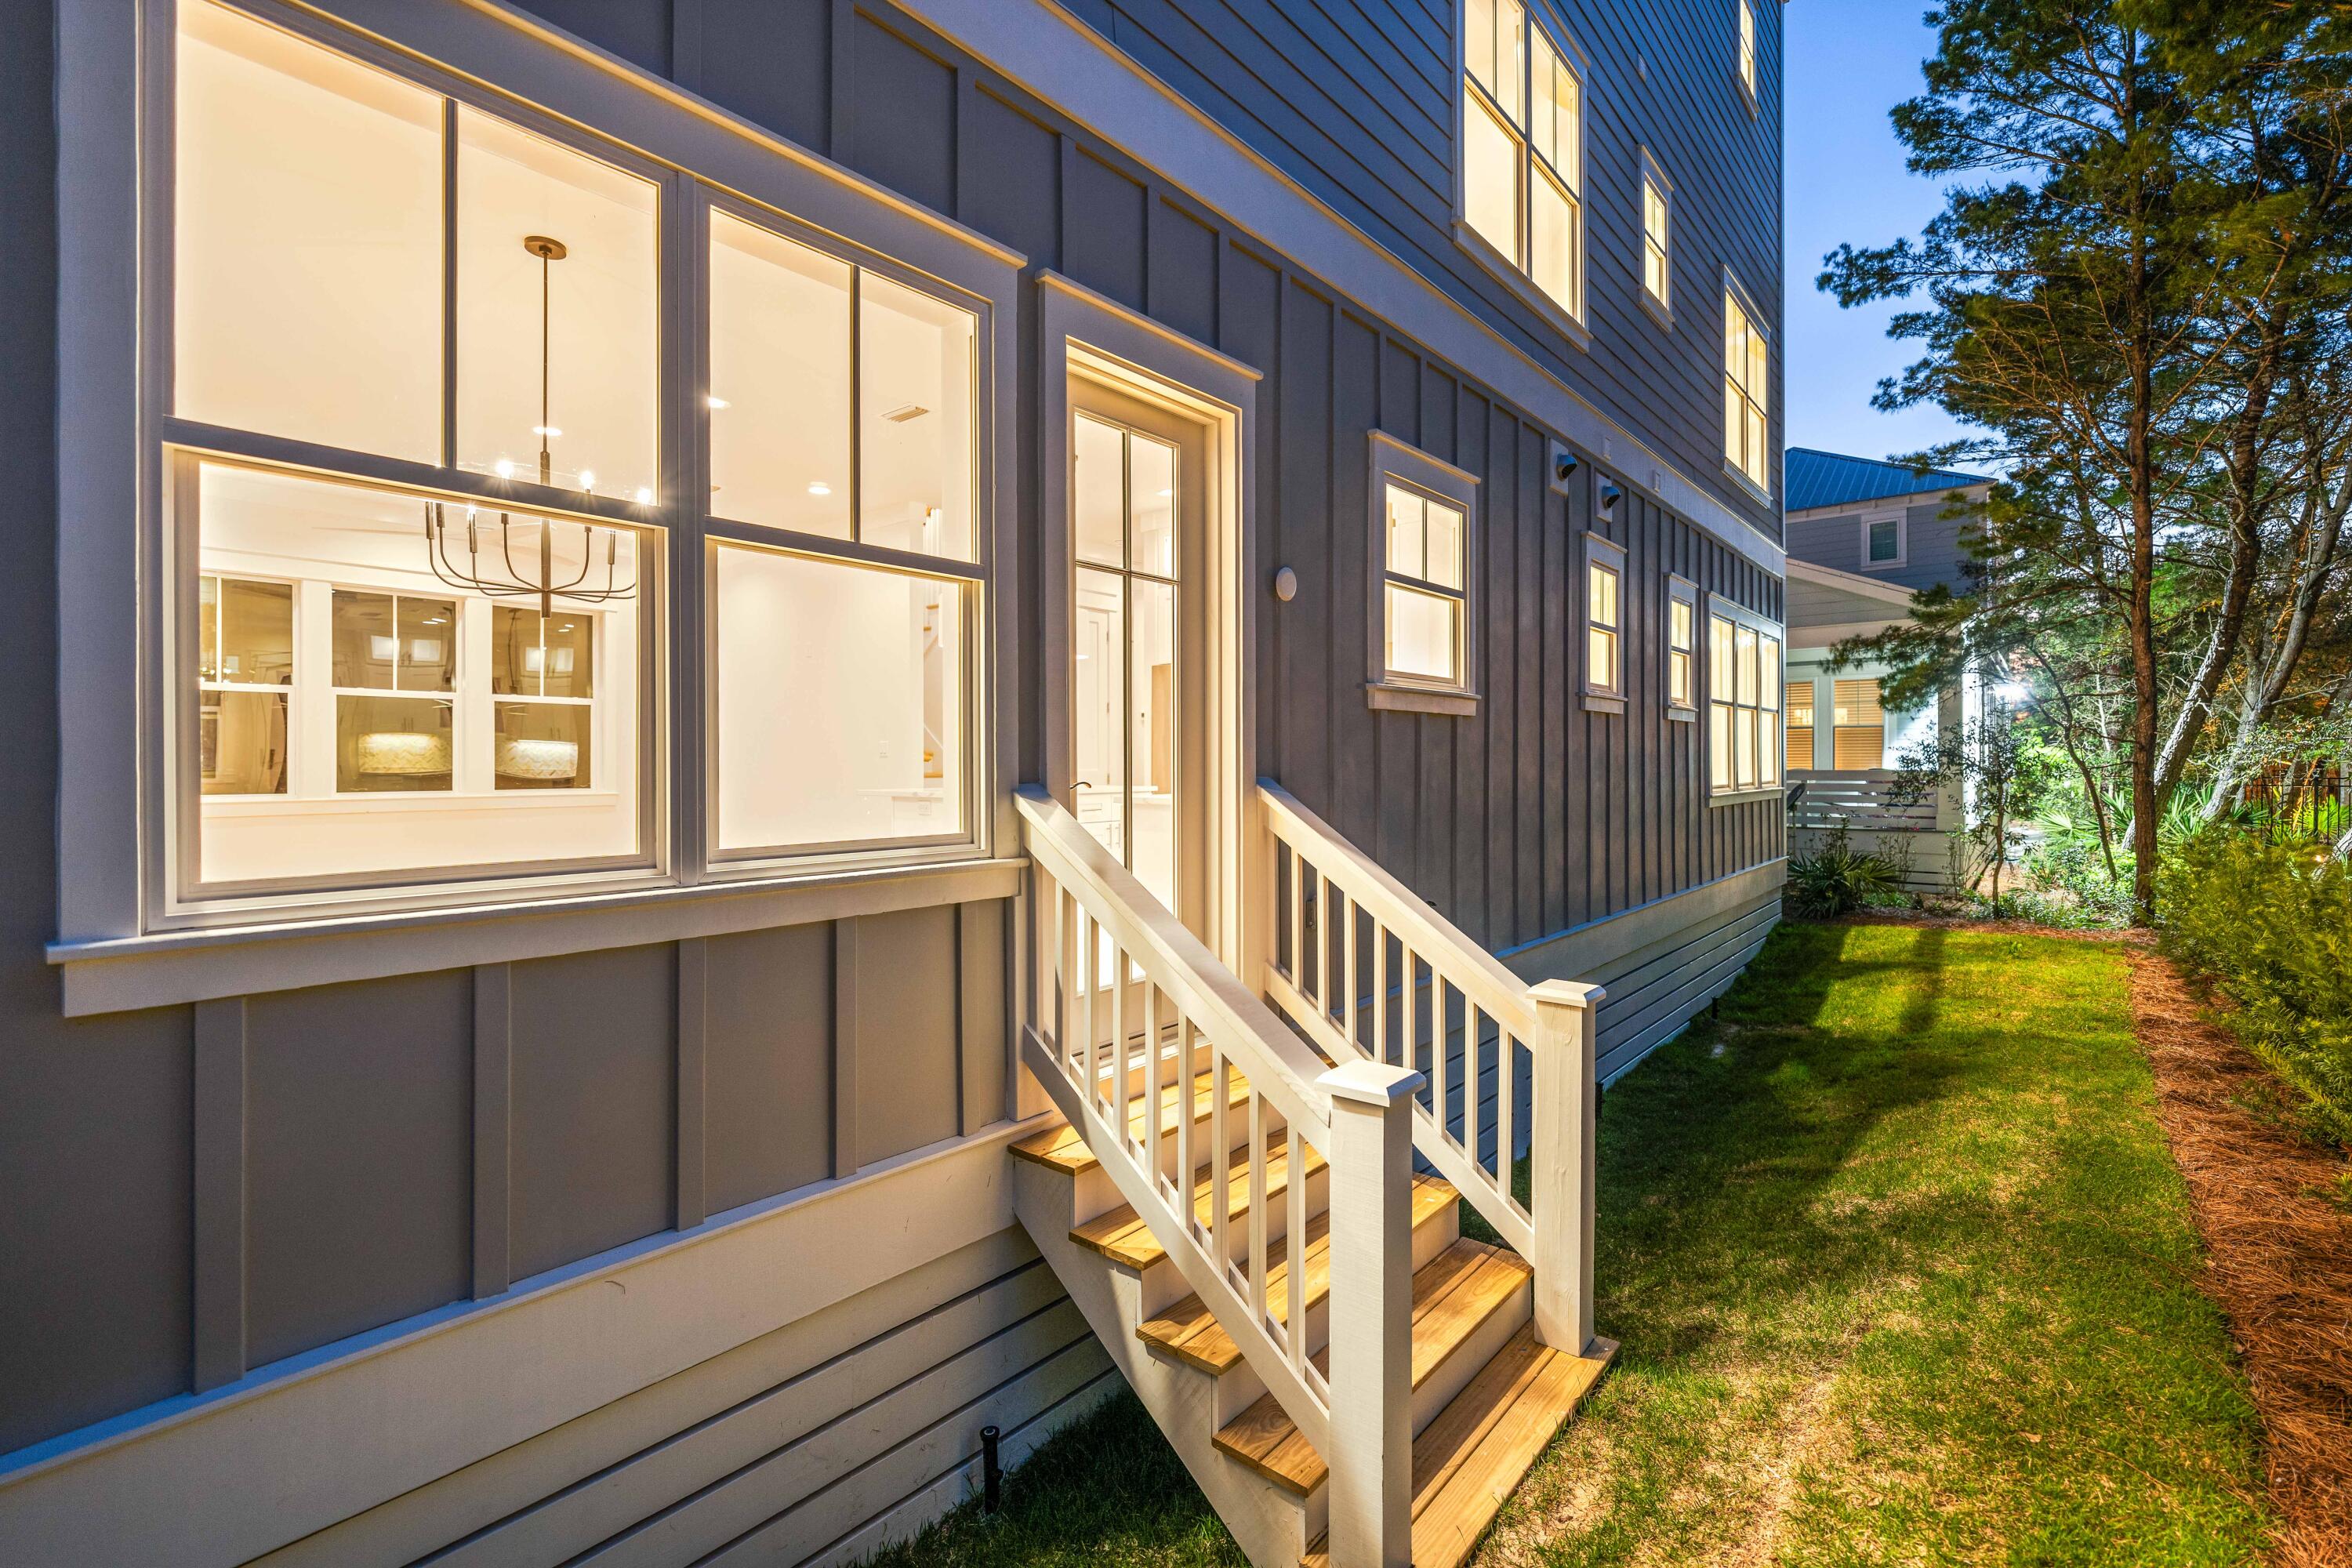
{"x":1285,"y":584}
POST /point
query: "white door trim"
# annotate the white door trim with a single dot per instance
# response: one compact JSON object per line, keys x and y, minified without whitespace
{"x":1083,"y":334}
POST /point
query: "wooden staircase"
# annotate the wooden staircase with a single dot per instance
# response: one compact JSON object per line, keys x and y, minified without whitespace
{"x":1239,"y":1215}
{"x":1487,"y":1397}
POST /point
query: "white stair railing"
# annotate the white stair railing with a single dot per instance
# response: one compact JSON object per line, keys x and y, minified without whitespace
{"x":1372,"y":973}
{"x":1123,"y":1011}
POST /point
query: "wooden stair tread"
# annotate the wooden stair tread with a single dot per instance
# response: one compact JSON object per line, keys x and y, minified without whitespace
{"x":1452,"y":1294}
{"x":1064,"y":1149}
{"x":1189,"y":1331}
{"x":1121,"y":1236}
{"x":1468,"y":1460}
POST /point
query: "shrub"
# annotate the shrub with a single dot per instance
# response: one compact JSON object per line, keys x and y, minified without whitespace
{"x":1837,"y":879}
{"x":2271,"y":925}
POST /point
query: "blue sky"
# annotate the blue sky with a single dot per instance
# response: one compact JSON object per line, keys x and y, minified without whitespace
{"x":1849,"y":61}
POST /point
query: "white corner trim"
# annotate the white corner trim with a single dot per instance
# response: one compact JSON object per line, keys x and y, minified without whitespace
{"x":1813,"y":572}
{"x":220,"y":1477}
{"x":1053,"y":54}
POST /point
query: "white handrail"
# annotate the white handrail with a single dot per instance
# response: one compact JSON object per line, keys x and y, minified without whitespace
{"x":1553,"y":1020}
{"x":1121,"y":1004}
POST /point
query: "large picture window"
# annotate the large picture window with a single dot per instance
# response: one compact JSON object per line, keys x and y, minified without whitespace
{"x":1522,"y":148}
{"x":420,"y":428}
{"x":388,"y":681}
{"x":1743,"y":677}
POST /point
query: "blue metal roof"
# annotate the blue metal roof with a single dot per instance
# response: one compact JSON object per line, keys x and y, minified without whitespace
{"x":1814,"y":478}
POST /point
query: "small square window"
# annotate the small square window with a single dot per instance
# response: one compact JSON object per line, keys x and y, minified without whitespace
{"x":1882,"y":542}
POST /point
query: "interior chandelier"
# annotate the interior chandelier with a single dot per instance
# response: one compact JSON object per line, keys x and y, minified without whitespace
{"x":515,"y":583}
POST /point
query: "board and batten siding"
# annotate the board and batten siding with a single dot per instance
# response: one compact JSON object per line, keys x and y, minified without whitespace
{"x":196,"y":1191}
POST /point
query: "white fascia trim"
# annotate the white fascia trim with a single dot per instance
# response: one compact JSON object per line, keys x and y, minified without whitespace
{"x":1813,"y":572}
{"x":1818,"y":640}
{"x":1977,"y":495}
{"x":1065,"y":63}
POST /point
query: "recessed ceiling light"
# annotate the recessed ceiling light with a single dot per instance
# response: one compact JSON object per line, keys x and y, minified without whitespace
{"x":545,"y":430}
{"x":714,"y":401}
{"x":819,"y":488}
{"x":503,"y":468}
{"x":644,"y":496}
{"x":587,"y":479}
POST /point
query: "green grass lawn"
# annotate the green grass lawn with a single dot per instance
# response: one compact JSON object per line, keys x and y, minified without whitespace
{"x":1902,"y":1273}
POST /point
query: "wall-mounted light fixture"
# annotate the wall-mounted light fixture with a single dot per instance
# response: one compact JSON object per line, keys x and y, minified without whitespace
{"x":1564,"y":464}
{"x":1610,"y":494}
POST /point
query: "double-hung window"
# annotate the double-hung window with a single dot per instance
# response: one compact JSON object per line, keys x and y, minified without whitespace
{"x":1682,"y":648}
{"x":412,"y":404}
{"x":842,"y":582}
{"x":1800,"y":724}
{"x":1743,"y":679}
{"x":1657,"y":253}
{"x":421,"y":418}
{"x":1882,"y":541}
{"x":1604,"y":625}
{"x":1522,"y":148}
{"x":1747,"y":49}
{"x":1858,"y":725}
{"x":1745,"y":378}
{"x":1424,"y":520}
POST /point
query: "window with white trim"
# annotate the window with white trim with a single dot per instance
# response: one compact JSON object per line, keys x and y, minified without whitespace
{"x":415,"y":611}
{"x":1801,"y":725}
{"x":1681,"y":648}
{"x":1747,"y":58}
{"x":1425,"y":516}
{"x":1882,"y":541}
{"x":1858,"y":725}
{"x":1657,"y":268}
{"x":1604,"y":620}
{"x":1745,"y":378}
{"x":841,"y":601}
{"x":1743,"y":678}
{"x":1522,"y":147}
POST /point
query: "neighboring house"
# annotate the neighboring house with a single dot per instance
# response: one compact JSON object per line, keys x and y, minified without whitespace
{"x":1863,"y":537}
{"x":678,"y":628}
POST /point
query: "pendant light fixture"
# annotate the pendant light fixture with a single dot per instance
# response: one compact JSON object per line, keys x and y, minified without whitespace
{"x":515,"y":583}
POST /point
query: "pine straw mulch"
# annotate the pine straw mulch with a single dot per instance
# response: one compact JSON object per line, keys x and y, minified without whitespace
{"x":2271,"y":1205}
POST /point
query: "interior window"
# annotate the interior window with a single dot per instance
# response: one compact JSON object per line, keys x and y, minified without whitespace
{"x":1801,"y":725}
{"x":367,"y":666}
{"x":1682,"y":643}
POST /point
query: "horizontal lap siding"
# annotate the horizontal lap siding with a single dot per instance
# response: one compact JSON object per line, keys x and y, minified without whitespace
{"x":780,"y":1451}
{"x":1354,"y":99}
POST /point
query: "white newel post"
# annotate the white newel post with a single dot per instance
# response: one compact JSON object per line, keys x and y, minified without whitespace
{"x":1372,"y":1314}
{"x":1563,"y":1167}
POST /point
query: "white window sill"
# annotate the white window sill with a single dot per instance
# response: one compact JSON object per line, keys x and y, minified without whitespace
{"x":1748,"y":797}
{"x":1603,"y":702}
{"x":1506,"y":272}
{"x":1683,"y":715}
{"x":170,"y":968}
{"x":1660,"y":312}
